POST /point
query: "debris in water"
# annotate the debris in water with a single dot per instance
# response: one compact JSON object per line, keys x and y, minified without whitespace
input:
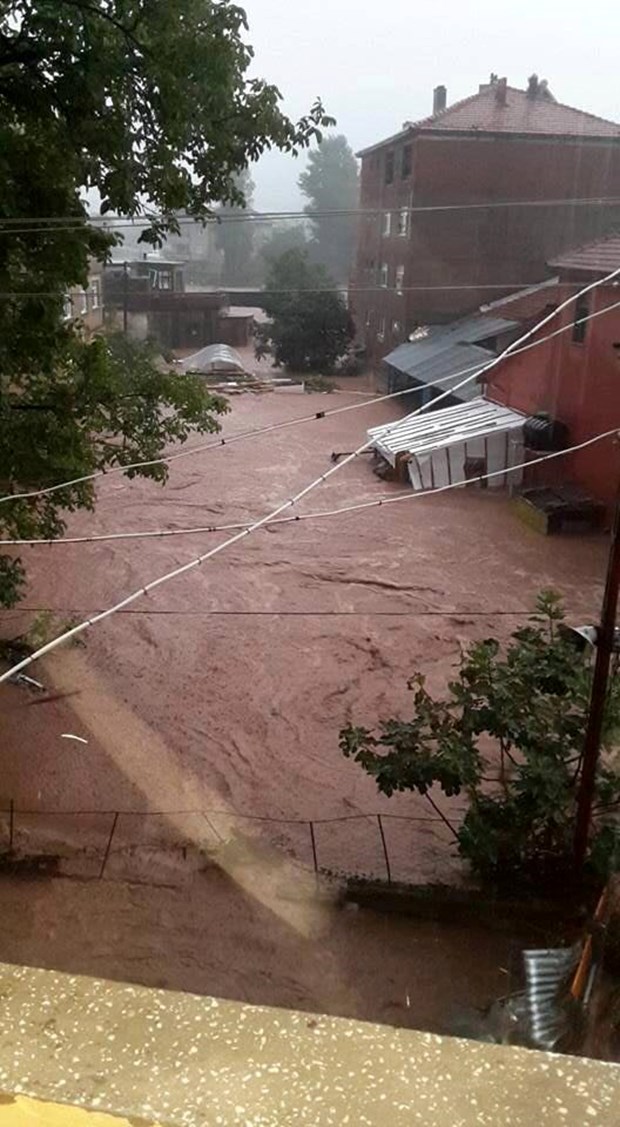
{"x":23,"y":679}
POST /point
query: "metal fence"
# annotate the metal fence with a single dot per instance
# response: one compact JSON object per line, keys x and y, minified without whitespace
{"x":97,"y":844}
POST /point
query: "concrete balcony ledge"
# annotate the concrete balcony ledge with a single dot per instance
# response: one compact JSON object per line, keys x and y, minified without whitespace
{"x":160,"y":1057}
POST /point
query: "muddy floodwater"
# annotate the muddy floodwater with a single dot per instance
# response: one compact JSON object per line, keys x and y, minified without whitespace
{"x":218,"y":699}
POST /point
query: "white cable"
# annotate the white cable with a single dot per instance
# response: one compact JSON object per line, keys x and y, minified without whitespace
{"x":219,"y":442}
{"x":388,"y":499}
{"x":80,"y":627}
{"x":257,"y":432}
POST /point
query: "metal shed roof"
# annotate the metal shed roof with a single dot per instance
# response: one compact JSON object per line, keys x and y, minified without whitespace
{"x":423,"y":434}
{"x":447,"y":349}
{"x":214,"y":358}
{"x":452,"y":361}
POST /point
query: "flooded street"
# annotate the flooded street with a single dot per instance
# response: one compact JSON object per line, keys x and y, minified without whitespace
{"x":221,"y":696}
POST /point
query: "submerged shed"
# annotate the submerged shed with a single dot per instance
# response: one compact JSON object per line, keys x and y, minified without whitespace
{"x":455,"y":444}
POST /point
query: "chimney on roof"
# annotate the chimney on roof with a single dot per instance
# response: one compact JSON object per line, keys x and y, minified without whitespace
{"x":440,"y":97}
{"x":500,"y":91}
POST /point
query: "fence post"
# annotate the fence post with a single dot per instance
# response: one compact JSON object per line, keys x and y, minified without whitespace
{"x":108,"y":846}
{"x":385,"y":852}
{"x":313,"y":840}
{"x":11,"y":823}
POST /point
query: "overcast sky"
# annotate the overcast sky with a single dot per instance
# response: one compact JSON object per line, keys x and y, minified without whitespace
{"x":375,"y":66}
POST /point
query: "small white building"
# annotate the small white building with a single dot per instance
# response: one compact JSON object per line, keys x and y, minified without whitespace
{"x":454,"y":445}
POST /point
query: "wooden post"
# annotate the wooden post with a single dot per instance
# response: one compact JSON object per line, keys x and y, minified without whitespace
{"x":108,"y":846}
{"x":314,"y":854}
{"x":385,"y":852}
{"x":604,"y":650}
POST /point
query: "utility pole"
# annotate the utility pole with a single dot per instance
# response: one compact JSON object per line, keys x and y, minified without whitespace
{"x":604,"y":649}
{"x":125,"y":295}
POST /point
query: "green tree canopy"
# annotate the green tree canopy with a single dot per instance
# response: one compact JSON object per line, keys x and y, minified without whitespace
{"x":330,"y":182}
{"x":149,"y":104}
{"x":309,"y":326}
{"x":509,"y":736}
{"x":284,"y":237}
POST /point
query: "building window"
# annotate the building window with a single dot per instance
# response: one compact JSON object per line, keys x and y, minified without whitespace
{"x":405,"y":167}
{"x":386,"y":229}
{"x":580,"y":326}
{"x":399,"y":280}
{"x":95,"y":293}
{"x":381,"y":329}
{"x":383,"y":274}
{"x":403,"y":222}
{"x":389,"y":167}
{"x":83,"y":302}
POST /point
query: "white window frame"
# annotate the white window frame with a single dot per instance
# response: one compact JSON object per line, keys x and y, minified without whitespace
{"x":386,"y":226}
{"x":67,"y":307}
{"x":83,"y":302}
{"x":403,"y":223}
{"x":399,"y":279}
{"x":95,"y":293}
{"x":384,"y":275}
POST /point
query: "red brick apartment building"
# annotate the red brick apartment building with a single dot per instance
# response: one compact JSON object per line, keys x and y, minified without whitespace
{"x":575,"y":376}
{"x":501,"y":145}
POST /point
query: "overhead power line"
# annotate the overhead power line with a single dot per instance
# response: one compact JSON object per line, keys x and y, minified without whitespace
{"x":22,"y":224}
{"x":256,"y":432}
{"x":320,"y":514}
{"x":251,"y":287}
{"x":290,"y":502}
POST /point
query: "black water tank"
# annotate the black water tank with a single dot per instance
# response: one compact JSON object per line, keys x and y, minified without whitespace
{"x":541,"y":432}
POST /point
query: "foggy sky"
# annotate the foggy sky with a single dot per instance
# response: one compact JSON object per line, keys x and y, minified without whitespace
{"x":375,"y":65}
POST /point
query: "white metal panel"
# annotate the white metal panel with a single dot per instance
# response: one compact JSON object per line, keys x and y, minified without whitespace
{"x":422,"y":435}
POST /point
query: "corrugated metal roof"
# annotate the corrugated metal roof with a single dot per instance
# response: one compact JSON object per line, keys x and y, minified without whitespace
{"x":600,"y":257}
{"x":214,"y":358}
{"x":420,"y":435}
{"x":482,"y":112}
{"x":456,"y":361}
{"x":447,"y":349}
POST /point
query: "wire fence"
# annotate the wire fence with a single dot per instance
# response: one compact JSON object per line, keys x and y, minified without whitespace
{"x":125,"y":844}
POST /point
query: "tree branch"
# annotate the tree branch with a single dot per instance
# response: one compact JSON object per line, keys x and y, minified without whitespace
{"x":109,"y":18}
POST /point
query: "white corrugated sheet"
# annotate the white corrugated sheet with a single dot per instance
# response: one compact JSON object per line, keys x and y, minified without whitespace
{"x":440,"y":443}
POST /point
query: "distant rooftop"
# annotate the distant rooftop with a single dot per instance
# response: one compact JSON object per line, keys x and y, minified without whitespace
{"x":600,"y":257}
{"x":528,"y":302}
{"x":499,"y":108}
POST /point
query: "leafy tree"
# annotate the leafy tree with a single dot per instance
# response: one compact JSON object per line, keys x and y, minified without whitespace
{"x":284,"y":237}
{"x":149,"y":104}
{"x":235,"y":235}
{"x":309,"y":326}
{"x":330,"y":182}
{"x":509,"y":736}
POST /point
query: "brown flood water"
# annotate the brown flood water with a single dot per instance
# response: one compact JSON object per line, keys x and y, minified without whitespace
{"x":224,"y":691}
